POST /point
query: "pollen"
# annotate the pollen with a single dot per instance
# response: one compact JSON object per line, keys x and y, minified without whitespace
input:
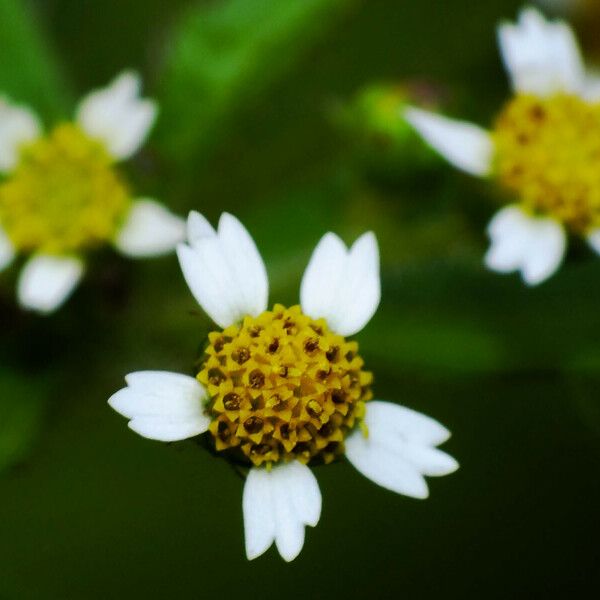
{"x":64,"y":195}
{"x":282,"y":386}
{"x":548,"y":156}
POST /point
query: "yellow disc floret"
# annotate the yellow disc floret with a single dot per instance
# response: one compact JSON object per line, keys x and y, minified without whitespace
{"x":64,"y":194}
{"x":282,"y":386}
{"x":548,"y":155}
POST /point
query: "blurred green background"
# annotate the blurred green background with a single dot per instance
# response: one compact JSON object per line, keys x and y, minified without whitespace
{"x":284,"y":113}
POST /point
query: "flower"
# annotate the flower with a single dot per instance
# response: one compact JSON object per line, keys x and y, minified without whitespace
{"x":544,"y":149}
{"x":62,"y":195}
{"x":278,"y":390}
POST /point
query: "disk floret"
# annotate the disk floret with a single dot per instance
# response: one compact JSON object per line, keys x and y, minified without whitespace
{"x":282,"y":386}
{"x":548,"y":155}
{"x":64,"y":195}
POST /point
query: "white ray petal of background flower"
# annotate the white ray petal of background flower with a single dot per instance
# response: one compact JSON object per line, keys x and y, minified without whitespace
{"x":535,"y":246}
{"x":46,"y":281}
{"x":162,"y":406}
{"x":118,"y":116}
{"x":150,"y":230}
{"x":342,"y":286}
{"x":18,"y":125}
{"x":592,"y":85}
{"x":224,"y":269}
{"x":277,"y":505}
{"x":542,"y":57}
{"x":593,"y":239}
{"x":399,"y":449}
{"x":466,"y":146}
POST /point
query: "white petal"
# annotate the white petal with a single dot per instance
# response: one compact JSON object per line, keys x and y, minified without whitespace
{"x":259,"y":513}
{"x":7,"y":250}
{"x":429,"y":461}
{"x":591,"y":91}
{"x":18,"y":125}
{"x":341,"y":285}
{"x":535,"y":246}
{"x":150,"y":230}
{"x":198,"y":227}
{"x":509,"y":235}
{"x":303,"y":490}
{"x":398,"y":450}
{"x":224,"y":270}
{"x":593,"y":239}
{"x":162,"y":406}
{"x":277,"y":505}
{"x":541,"y":57}
{"x":117,"y":115}
{"x":47,"y":281}
{"x":416,"y":428}
{"x":464,"y":145}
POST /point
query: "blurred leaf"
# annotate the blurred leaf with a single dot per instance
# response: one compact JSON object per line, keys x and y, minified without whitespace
{"x":29,"y":71}
{"x":225,"y":55}
{"x":582,"y":390}
{"x":21,"y":412}
{"x":449,"y":344}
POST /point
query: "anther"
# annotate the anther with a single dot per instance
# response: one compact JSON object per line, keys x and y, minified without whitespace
{"x":279,"y":403}
{"x":216,"y":376}
{"x":537,"y":113}
{"x":314,"y":409}
{"x":241,"y":355}
{"x":253,"y":424}
{"x":322,"y":375}
{"x":332,"y":353}
{"x":311,"y":345}
{"x":338,"y":396}
{"x":260,"y":449}
{"x":256,"y":379}
{"x":326,"y":430}
{"x":224,"y":431}
{"x":232,"y":401}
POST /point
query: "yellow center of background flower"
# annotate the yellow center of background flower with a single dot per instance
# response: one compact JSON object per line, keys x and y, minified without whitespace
{"x":548,"y":155}
{"x":282,"y":386}
{"x":64,"y":194}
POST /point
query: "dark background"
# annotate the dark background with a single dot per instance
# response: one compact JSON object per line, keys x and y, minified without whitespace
{"x":259,"y":117}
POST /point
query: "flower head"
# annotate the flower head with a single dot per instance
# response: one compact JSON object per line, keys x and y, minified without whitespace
{"x":278,"y":391}
{"x":62,"y":194}
{"x":543,"y":149}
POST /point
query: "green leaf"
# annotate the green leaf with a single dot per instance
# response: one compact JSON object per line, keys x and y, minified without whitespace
{"x":225,"y":55}
{"x":21,"y":412}
{"x":29,"y":70}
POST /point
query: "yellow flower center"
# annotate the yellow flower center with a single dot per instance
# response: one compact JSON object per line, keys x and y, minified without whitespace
{"x":548,"y":155}
{"x":64,"y":194}
{"x":282,"y":386}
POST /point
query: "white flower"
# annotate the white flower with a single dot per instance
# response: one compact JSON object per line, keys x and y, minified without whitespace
{"x":279,"y":389}
{"x":533,"y":246}
{"x":56,"y":227}
{"x":532,"y":150}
